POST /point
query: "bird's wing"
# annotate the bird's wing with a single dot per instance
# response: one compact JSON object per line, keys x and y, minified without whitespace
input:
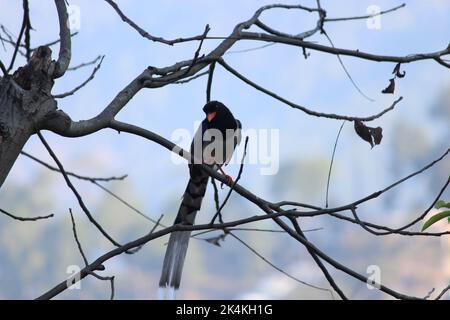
{"x":239,"y":134}
{"x":237,"y":137}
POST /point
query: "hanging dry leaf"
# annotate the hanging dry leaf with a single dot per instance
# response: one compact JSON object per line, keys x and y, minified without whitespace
{"x":216,"y":240}
{"x":363,"y":131}
{"x":377,"y":134}
{"x":391,"y":87}
{"x":369,"y":134}
{"x":397,"y":71}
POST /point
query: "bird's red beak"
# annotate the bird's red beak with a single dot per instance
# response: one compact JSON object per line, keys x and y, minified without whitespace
{"x":210,"y":116}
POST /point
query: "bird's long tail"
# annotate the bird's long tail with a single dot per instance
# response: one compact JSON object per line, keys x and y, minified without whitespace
{"x":179,"y":240}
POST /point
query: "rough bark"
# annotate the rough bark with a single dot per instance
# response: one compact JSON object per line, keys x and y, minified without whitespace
{"x":26,"y":105}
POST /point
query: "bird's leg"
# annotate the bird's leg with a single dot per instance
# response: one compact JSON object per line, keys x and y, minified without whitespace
{"x":229,"y":179}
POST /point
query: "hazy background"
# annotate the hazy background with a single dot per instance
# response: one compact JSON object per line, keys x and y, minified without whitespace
{"x":34,"y":256}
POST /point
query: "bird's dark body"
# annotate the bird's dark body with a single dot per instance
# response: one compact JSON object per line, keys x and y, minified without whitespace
{"x":196,"y":187}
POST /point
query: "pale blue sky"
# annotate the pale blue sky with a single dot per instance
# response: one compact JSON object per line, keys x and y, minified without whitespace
{"x":318,"y":83}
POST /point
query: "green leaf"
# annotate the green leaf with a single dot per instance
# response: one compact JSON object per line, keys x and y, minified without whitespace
{"x":442,"y":204}
{"x":436,"y":218}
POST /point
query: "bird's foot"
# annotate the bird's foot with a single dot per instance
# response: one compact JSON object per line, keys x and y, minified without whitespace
{"x":229,"y":181}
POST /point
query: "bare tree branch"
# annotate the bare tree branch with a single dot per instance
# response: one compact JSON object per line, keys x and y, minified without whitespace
{"x":12,"y":42}
{"x":19,"y":38}
{"x":276,"y":267}
{"x":59,"y":68}
{"x":331,"y":163}
{"x":86,"y":263}
{"x":304,"y":109}
{"x":2,"y":66}
{"x":75,"y":192}
{"x":241,"y":168}
{"x":52,"y":168}
{"x":198,"y":75}
{"x":71,"y":92}
{"x":345,"y":52}
{"x":365,"y":16}
{"x":183,"y":72}
{"x":85,"y":64}
{"x":318,"y":261}
{"x":25,"y":219}
{"x":27,"y":30}
{"x":144,"y":33}
{"x":49,"y":44}
{"x":349,"y":76}
{"x":212,"y":66}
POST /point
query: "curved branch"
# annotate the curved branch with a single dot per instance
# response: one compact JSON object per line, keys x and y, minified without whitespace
{"x":59,"y":67}
{"x":144,"y":33}
{"x":85,"y":82}
{"x":365,"y":16}
{"x":19,"y":38}
{"x":345,"y":52}
{"x":25,"y":218}
{"x":302,"y":108}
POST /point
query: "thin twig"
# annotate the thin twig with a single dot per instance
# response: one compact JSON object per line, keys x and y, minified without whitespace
{"x":365,"y":16}
{"x":210,"y":79}
{"x":331,"y":163}
{"x":275,"y":266}
{"x":318,"y":261}
{"x":197,"y":52}
{"x":86,"y":262}
{"x":157,"y":224}
{"x":19,"y":39}
{"x":95,"y":181}
{"x":75,"y":192}
{"x":80,"y":177}
{"x":249,"y":49}
{"x":251,"y":229}
{"x":27,"y":30}
{"x":49,"y":44}
{"x":444,"y":291}
{"x":71,"y":92}
{"x":126,"y":203}
{"x":429,"y":294}
{"x":85,"y":64}
{"x":2,"y":66}
{"x":201,"y":74}
{"x":216,"y":198}
{"x":11,"y":41}
{"x":349,"y":76}
{"x":144,"y":33}
{"x":25,"y":218}
{"x":408,"y":225}
{"x":218,"y":213}
{"x":304,"y":109}
{"x":75,"y":235}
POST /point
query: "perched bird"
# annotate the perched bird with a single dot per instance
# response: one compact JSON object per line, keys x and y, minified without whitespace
{"x":213,"y":145}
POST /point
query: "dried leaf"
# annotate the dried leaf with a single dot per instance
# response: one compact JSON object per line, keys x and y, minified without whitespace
{"x":391,"y":87}
{"x":369,"y":134}
{"x":397,"y":71}
{"x":363,"y":132}
{"x":377,"y":134}
{"x":216,"y":240}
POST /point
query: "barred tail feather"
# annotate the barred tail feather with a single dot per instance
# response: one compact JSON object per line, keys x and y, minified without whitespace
{"x":179,"y":240}
{"x":174,"y":260}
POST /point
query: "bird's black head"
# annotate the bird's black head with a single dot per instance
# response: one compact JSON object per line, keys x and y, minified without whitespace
{"x":214,"y":109}
{"x":212,"y":106}
{"x":211,"y":109}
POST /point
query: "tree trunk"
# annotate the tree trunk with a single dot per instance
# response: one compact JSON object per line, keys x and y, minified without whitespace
{"x":26,"y":104}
